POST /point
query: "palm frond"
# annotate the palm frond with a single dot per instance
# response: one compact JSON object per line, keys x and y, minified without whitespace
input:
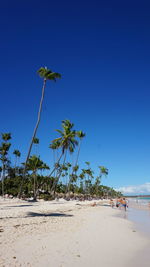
{"x":48,"y":74}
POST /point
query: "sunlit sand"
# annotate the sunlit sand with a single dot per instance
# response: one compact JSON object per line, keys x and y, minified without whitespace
{"x":67,"y":233}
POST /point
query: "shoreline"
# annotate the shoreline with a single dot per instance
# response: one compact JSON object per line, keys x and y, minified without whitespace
{"x":68,"y":233}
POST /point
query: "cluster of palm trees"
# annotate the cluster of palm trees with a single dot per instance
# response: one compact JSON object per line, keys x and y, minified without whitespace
{"x":28,"y":179}
{"x":63,"y":177}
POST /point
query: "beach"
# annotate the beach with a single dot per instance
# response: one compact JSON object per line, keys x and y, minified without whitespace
{"x":69,"y":233}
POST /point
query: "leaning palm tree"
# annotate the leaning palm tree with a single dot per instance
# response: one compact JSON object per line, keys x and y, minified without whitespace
{"x":34,"y":164}
{"x":67,"y":139}
{"x":17,"y":156}
{"x":80,"y":135}
{"x":67,"y":142}
{"x":4,"y":148}
{"x":3,"y":156}
{"x":103,"y":170}
{"x":55,"y":146}
{"x":46,"y":74}
{"x":36,"y":143}
{"x":6,"y":136}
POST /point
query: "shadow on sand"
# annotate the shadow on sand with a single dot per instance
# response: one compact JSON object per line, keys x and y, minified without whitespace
{"x":20,"y":206}
{"x":34,"y":214}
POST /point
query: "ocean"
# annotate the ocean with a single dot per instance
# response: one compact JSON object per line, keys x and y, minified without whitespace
{"x":139,"y":212}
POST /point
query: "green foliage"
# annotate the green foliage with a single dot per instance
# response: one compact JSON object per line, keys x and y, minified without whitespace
{"x":35,"y":140}
{"x":17,"y":153}
{"x":73,"y":180}
{"x":6,"y":136}
{"x":48,"y":74}
{"x":67,"y":139}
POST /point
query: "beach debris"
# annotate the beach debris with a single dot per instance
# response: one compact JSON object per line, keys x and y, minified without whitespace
{"x":17,"y":225}
{"x":93,"y":204}
{"x":1,"y":230}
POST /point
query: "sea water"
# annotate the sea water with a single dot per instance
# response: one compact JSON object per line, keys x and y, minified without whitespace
{"x":139,"y":212}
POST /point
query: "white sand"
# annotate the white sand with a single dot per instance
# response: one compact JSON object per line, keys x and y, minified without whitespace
{"x":68,"y":234}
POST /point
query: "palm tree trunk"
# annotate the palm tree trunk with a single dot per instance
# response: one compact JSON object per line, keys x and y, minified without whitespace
{"x":57,"y":163}
{"x":34,"y":134}
{"x":57,"y":178}
{"x":54,"y":168}
{"x":2,"y":179}
{"x":34,"y":186}
{"x":78,"y":153}
{"x":77,"y":158}
{"x":15,"y":164}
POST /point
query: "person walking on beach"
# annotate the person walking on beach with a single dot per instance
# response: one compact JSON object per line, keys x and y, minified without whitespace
{"x":124,"y":204}
{"x":112,"y":203}
{"x":118,"y":203}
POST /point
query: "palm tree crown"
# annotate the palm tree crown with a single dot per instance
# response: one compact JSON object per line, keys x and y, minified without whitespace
{"x":67,"y":140}
{"x":17,"y":153}
{"x":47,"y":74}
{"x":103,"y":170}
{"x":6,"y":136}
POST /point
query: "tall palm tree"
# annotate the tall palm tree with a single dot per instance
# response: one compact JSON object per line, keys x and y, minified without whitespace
{"x":34,"y":164}
{"x":6,"y":136}
{"x":17,"y":155}
{"x":103,"y":170}
{"x":36,"y":143}
{"x":4,"y":148}
{"x":67,"y":139}
{"x":80,"y":135}
{"x":66,"y":142}
{"x":46,"y":74}
{"x":55,"y":146}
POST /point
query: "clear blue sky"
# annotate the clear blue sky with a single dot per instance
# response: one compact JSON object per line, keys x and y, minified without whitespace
{"x":102,"y":50}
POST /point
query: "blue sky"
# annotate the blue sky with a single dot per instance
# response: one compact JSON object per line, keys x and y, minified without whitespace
{"x":101,"y":48}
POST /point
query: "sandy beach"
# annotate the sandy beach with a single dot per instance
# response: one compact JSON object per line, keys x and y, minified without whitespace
{"x":68,"y":233}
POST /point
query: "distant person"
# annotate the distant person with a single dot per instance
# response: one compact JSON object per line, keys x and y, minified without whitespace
{"x":124,"y":203}
{"x":118,"y":203}
{"x":112,"y":203}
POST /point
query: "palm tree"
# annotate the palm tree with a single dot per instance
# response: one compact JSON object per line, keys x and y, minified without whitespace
{"x":34,"y":164}
{"x":3,"y":156}
{"x":103,"y":170}
{"x":36,"y":142}
{"x":6,"y":136}
{"x":54,"y":146}
{"x":80,"y":135}
{"x":46,"y":74}
{"x":17,"y":155}
{"x":67,"y":139}
{"x":66,"y":142}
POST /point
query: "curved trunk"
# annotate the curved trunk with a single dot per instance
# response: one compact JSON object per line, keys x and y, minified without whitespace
{"x":15,"y":164}
{"x":77,"y":157}
{"x":57,"y":163}
{"x":78,"y":153}
{"x":34,"y":186}
{"x":57,"y":178}
{"x":34,"y":134}
{"x":54,"y":168}
{"x":2,"y":179}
